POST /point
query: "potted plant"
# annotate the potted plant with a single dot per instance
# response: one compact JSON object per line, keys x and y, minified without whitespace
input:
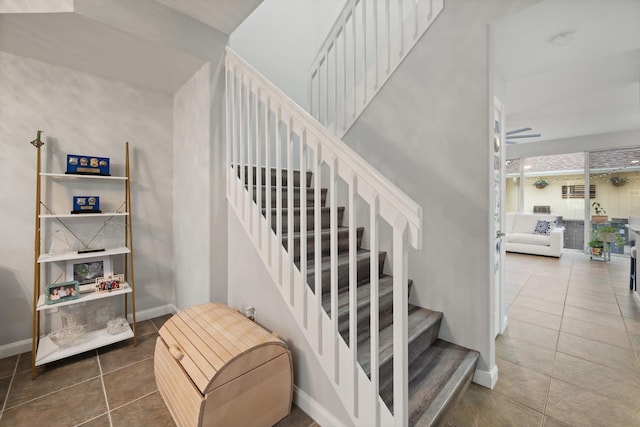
{"x":596,"y":244}
{"x":619,"y":181}
{"x":540,"y":183}
{"x":610,"y":234}
{"x":601,"y":215}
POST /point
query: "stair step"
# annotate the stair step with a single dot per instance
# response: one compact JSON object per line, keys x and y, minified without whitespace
{"x":363,"y":269}
{"x":385,"y":304}
{"x":325,"y":235}
{"x":438,"y":377}
{"x":285,"y":199}
{"x":274,"y":176}
{"x":423,"y":329}
{"x":325,"y":218}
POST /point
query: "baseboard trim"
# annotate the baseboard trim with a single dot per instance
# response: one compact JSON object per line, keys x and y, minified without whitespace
{"x":154,"y":312}
{"x":14,"y":348}
{"x":24,"y":346}
{"x":316,"y":411}
{"x":486,"y":379}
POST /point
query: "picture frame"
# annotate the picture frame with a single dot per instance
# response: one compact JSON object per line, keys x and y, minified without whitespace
{"x":60,"y":292}
{"x":99,"y":315}
{"x":114,"y":282}
{"x":87,"y":270}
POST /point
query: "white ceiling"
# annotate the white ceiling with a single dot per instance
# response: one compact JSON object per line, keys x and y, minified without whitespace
{"x":589,"y":86}
{"x":153,"y":44}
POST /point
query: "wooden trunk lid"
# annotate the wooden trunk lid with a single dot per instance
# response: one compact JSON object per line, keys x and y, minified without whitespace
{"x":216,"y":344}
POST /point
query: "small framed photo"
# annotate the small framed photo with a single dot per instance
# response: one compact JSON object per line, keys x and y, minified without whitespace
{"x":87,"y":270}
{"x":110,"y":283}
{"x":98,"y":316}
{"x":60,"y":292}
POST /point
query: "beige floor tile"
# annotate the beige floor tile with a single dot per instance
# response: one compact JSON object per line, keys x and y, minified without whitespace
{"x":535,"y":317}
{"x":64,"y":408}
{"x":621,"y":385}
{"x":605,"y":354}
{"x":534,"y":334}
{"x":595,"y":317}
{"x":594,"y":332}
{"x":522,"y":385}
{"x":580,"y":407}
{"x":589,"y":304}
{"x":533,"y":292}
{"x":538,"y":304}
{"x":604,"y":295}
{"x":480,"y":407}
{"x":525,"y":354}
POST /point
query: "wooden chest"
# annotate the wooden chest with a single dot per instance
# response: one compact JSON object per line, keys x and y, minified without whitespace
{"x":215,"y":367}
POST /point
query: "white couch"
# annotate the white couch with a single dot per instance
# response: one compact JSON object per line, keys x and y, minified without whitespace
{"x":520,"y":236}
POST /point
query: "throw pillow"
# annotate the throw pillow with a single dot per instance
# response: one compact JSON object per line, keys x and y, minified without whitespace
{"x":544,"y":227}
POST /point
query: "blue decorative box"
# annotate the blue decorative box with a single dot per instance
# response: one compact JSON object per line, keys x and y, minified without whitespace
{"x":86,"y":204}
{"x":87,"y":165}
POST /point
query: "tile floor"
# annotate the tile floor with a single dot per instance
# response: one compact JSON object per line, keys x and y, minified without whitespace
{"x":570,"y":355}
{"x":113,"y":386}
{"x":568,"y":358}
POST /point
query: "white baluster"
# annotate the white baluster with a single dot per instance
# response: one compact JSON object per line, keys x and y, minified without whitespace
{"x":400,"y":322}
{"x":374,"y":212}
{"x":303,"y":226}
{"x":258,"y":175}
{"x":333,"y":242}
{"x":317,"y":227}
{"x":353,"y":289}
{"x":290,"y":242}
{"x":250,"y":165}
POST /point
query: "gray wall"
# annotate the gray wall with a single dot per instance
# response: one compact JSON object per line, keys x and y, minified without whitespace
{"x":250,"y":284}
{"x":80,"y":113}
{"x":428,"y":131}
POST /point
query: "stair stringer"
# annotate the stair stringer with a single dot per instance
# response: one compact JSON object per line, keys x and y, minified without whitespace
{"x":349,"y":380}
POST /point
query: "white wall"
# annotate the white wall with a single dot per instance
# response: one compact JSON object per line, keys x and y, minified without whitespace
{"x":200,"y":208}
{"x":428,"y":131}
{"x":281,"y":38}
{"x":80,"y":113}
{"x":250,"y":285}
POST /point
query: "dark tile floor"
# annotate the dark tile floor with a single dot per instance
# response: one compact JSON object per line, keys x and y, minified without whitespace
{"x":113,"y":386}
{"x":570,"y":354}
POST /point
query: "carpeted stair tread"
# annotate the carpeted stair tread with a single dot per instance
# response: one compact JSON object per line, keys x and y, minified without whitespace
{"x":437,"y":380}
{"x":423,"y":327}
{"x":285,"y":196}
{"x":362,"y":267}
{"x":274,"y":175}
{"x":325,"y":240}
{"x":325,"y":218}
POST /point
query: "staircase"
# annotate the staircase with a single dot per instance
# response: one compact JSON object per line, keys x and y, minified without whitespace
{"x":334,"y":236}
{"x":439,"y":372}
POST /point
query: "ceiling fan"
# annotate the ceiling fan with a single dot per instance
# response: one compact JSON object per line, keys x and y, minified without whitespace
{"x":512,"y":134}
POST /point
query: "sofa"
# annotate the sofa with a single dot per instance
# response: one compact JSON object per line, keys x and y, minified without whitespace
{"x":524,"y":234}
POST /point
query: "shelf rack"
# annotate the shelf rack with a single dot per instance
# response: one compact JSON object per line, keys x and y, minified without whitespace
{"x":43,"y":349}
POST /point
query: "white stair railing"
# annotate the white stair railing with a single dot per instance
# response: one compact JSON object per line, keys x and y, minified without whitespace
{"x":368,"y":41}
{"x":266,"y":130}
